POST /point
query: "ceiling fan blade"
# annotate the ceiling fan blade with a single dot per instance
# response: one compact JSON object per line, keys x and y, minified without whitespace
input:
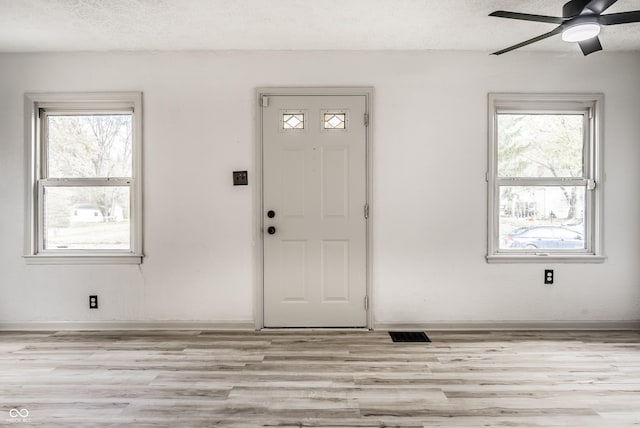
{"x":620,"y":18}
{"x":590,"y":45}
{"x":528,"y":42}
{"x":574,"y":8}
{"x":599,"y":6}
{"x":527,"y":17}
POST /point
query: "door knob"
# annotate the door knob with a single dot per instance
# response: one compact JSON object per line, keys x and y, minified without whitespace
{"x":271,"y":214}
{"x":271,"y":230}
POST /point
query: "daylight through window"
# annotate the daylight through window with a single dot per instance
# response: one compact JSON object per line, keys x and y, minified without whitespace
{"x":86,"y":201}
{"x":544,"y":187}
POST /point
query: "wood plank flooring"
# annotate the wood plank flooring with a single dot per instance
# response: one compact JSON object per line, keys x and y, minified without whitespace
{"x":319,"y":379}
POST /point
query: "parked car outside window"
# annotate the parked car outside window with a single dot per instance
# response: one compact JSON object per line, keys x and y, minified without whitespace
{"x":544,"y":237}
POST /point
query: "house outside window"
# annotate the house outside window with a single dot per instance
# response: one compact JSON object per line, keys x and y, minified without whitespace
{"x":544,"y":178}
{"x":84,"y":201}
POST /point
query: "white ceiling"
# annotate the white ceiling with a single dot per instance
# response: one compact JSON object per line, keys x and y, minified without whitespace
{"x":175,"y":25}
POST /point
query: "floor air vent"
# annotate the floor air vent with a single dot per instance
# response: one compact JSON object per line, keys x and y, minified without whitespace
{"x":409,"y":336}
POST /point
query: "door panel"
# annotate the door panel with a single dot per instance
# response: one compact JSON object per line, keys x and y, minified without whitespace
{"x":293,"y":205}
{"x":314,"y":179}
{"x":335,"y":182}
{"x":335,"y":271}
{"x":294,"y":281}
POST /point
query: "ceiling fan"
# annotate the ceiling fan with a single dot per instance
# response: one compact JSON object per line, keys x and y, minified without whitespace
{"x":580,"y":22}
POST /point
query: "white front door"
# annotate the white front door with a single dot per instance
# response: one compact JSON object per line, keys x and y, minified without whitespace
{"x":314,"y":197}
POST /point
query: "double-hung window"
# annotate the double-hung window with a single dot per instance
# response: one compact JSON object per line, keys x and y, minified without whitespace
{"x":544,"y":178}
{"x":84,"y":201}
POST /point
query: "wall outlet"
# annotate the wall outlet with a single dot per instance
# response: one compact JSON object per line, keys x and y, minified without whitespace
{"x":548,"y":276}
{"x":240,"y":178}
{"x":93,"y":302}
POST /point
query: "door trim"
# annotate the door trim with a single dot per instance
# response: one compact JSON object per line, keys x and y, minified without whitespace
{"x":367,"y":92}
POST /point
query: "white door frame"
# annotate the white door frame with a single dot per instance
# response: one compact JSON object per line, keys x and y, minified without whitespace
{"x":367,"y":92}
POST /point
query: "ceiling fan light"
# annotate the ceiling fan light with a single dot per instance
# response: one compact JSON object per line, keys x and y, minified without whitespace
{"x":580,"y":32}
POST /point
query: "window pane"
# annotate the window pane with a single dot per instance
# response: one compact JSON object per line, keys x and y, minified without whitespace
{"x":334,"y":120}
{"x":293,"y":121}
{"x":88,"y":218}
{"x":89,"y":145}
{"x":540,"y":145}
{"x":542,"y":218}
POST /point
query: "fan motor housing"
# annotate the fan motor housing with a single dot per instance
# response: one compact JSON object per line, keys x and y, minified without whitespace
{"x":573,"y":8}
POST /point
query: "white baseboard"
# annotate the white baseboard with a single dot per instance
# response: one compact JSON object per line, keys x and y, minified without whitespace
{"x":126,"y":325}
{"x":507,"y":325}
{"x":249,"y":325}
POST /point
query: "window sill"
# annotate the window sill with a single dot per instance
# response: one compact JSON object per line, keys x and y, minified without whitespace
{"x":129,"y":259}
{"x":545,"y":258}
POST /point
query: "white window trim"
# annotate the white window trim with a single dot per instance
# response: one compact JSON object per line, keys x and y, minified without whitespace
{"x":33,"y":102}
{"x":595,"y":221}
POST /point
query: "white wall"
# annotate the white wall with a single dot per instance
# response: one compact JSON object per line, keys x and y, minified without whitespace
{"x":429,"y":211}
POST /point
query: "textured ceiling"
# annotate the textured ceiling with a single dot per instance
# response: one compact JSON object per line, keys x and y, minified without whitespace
{"x":175,"y":25}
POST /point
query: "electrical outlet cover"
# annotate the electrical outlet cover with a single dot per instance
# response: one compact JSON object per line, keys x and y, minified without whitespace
{"x":240,"y":178}
{"x":548,"y":276}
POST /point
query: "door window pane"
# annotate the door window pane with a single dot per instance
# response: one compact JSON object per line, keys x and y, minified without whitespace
{"x":334,"y":120}
{"x":293,"y":121}
{"x":542,"y":217}
{"x":87,"y":218}
{"x":81,"y":146}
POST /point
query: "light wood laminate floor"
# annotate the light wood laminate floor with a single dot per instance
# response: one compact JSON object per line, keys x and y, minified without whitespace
{"x":315,"y":378}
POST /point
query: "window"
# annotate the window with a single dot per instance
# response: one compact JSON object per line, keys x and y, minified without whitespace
{"x":334,"y":120}
{"x":84,"y":202}
{"x":292,"y":121}
{"x":544,"y":178}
